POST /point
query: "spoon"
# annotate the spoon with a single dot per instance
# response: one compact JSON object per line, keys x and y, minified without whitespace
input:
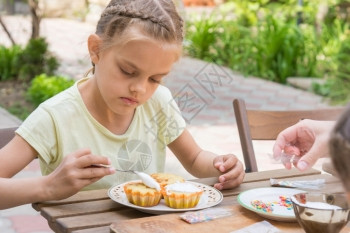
{"x":146,"y":179}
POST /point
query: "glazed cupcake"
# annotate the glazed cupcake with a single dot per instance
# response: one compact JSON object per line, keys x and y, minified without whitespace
{"x":141,"y":195}
{"x":181,"y":195}
{"x":165,"y":179}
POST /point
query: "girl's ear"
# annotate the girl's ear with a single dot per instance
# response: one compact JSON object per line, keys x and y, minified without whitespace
{"x":94,"y":42}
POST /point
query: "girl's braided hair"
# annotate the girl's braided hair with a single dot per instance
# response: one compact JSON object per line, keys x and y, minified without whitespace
{"x":157,"y":18}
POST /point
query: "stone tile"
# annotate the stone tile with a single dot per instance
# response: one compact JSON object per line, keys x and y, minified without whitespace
{"x":29,"y":224}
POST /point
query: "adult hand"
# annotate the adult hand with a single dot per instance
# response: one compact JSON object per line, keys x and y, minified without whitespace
{"x":307,"y":140}
{"x":74,"y":173}
{"x":231,"y":169}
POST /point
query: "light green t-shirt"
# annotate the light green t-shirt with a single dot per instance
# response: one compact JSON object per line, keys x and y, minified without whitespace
{"x":62,"y":125}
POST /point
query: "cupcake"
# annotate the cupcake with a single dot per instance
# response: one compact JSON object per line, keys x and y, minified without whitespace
{"x":165,"y":178}
{"x":141,"y":195}
{"x":181,"y":195}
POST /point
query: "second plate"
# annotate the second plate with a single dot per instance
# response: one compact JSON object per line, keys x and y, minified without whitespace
{"x":269,"y":195}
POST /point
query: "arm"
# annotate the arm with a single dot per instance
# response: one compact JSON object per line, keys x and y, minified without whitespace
{"x":202,"y":163}
{"x":308,"y":139}
{"x":73,"y":174}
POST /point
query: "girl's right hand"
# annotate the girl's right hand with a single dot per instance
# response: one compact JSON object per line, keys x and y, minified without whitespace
{"x":74,"y":173}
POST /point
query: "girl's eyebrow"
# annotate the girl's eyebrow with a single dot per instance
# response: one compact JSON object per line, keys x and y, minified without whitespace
{"x":137,"y":68}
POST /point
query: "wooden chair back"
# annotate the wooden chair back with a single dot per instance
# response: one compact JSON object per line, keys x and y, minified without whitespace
{"x":6,"y":135}
{"x":266,"y":125}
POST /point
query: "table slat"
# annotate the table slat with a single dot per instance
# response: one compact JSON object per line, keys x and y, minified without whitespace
{"x":82,"y":196}
{"x":69,"y":224}
{"x":105,"y":229}
{"x":264,"y":175}
{"x":278,"y":174}
{"x":67,"y":210}
{"x":266,"y":183}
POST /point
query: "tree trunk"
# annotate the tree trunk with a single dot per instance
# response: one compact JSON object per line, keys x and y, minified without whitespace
{"x":36,"y":18}
{"x":7,"y":31}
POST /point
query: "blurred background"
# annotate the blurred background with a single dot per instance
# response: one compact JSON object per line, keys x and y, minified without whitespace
{"x":290,"y":42}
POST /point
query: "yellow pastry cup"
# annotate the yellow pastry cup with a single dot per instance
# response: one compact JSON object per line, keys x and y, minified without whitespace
{"x":139,"y":194}
{"x":178,"y":200}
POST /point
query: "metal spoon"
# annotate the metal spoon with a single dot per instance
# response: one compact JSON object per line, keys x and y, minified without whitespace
{"x":146,"y":179}
{"x":109,"y":166}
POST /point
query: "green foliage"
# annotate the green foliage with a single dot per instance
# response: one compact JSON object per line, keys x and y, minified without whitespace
{"x":8,"y":61}
{"x":35,"y":59}
{"x":201,"y":35}
{"x":330,"y":41}
{"x":262,"y":38}
{"x":234,"y":47}
{"x":20,"y":111}
{"x":24,"y":64}
{"x":44,"y":87}
{"x":340,"y":88}
{"x":322,"y":89}
{"x":281,"y":51}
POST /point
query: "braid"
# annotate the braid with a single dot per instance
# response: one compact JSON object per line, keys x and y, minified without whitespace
{"x":125,"y":11}
{"x":159,"y":19}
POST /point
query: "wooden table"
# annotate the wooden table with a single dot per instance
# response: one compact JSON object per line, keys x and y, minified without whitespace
{"x":94,"y":211}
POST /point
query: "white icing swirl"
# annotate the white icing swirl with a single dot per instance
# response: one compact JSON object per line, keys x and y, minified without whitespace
{"x":182,"y":187}
{"x":148,"y":180}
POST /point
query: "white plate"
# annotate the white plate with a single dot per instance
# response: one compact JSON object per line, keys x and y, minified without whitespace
{"x":209,"y":198}
{"x":266,"y":195}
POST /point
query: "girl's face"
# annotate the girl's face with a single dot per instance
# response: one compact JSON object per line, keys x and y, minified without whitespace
{"x":128,"y":75}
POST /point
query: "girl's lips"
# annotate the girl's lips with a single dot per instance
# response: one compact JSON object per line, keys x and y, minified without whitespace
{"x":129,"y":101}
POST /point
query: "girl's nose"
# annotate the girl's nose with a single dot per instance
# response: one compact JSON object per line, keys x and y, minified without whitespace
{"x":139,"y":86}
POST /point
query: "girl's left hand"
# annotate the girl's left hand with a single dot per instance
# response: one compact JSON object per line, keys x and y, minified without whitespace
{"x":231,"y":169}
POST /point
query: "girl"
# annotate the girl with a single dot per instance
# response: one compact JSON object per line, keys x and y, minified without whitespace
{"x":120,"y":116}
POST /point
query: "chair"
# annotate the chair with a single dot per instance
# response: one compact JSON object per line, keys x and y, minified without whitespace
{"x":266,"y":125}
{"x":6,"y":135}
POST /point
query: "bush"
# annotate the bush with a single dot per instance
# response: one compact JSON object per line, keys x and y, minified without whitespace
{"x":8,"y":61}
{"x":24,"y":64}
{"x":35,"y":59}
{"x":201,"y":35}
{"x":340,"y":87}
{"x":44,"y":87}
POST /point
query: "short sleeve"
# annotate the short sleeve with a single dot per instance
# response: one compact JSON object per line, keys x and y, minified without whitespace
{"x":39,"y":131}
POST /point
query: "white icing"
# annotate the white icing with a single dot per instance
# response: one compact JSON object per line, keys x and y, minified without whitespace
{"x":321,"y":205}
{"x":182,"y":187}
{"x":148,"y":180}
{"x":317,"y":205}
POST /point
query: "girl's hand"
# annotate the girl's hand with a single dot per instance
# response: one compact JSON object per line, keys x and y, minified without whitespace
{"x":74,"y":173}
{"x":231,"y":169}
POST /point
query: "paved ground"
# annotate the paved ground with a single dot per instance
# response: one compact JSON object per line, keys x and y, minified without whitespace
{"x":203,"y":90}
